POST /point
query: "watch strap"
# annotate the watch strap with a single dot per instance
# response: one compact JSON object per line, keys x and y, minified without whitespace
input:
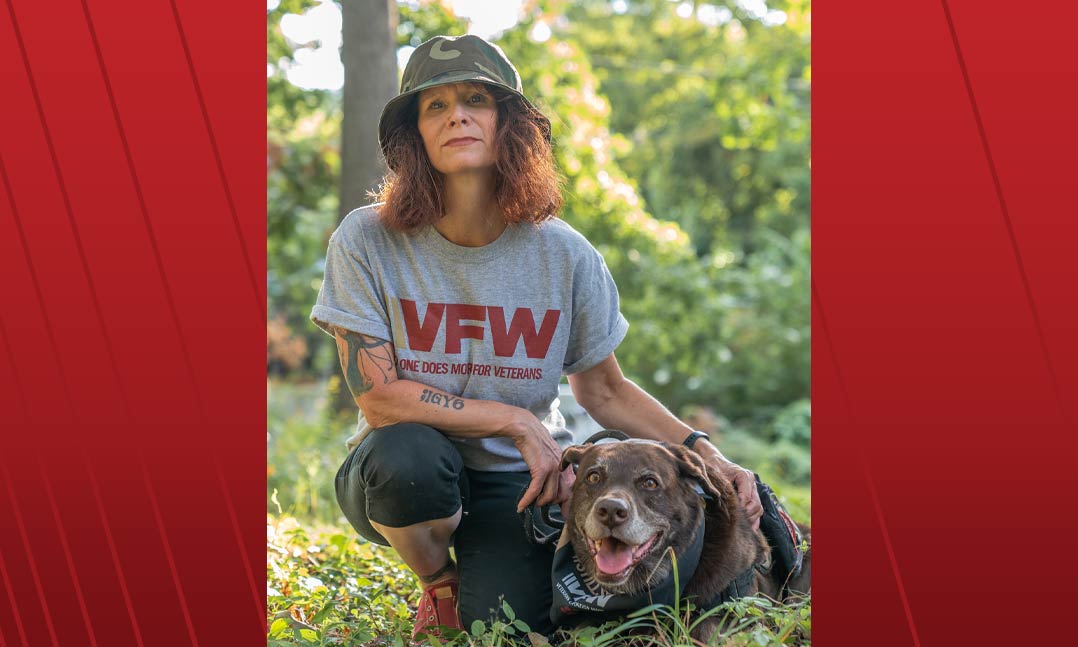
{"x":693,"y":437}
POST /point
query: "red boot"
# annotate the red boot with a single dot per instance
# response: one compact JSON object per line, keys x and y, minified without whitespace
{"x":438,"y":606}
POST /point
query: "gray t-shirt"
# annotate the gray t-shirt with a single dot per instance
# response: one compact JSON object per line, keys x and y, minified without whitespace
{"x":501,"y":322}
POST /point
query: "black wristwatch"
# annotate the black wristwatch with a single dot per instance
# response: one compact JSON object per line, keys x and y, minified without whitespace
{"x":693,"y":437}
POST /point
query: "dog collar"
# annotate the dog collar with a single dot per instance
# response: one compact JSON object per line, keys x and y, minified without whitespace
{"x":579,"y":598}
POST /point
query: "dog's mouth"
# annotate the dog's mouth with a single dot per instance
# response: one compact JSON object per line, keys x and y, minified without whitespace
{"x":615,"y":558}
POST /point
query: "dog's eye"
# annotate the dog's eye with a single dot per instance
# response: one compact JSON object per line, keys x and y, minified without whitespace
{"x":593,"y":477}
{"x":649,"y":484}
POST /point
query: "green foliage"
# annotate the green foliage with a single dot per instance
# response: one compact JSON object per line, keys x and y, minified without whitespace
{"x":325,"y":588}
{"x":716,"y":110}
{"x":760,"y":314}
{"x":301,"y":457}
{"x":503,"y":630}
{"x":794,"y":423}
{"x":423,"y":22}
{"x":303,"y":162}
{"x":786,"y":466}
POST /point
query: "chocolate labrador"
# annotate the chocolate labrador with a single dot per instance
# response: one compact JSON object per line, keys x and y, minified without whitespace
{"x":634,"y":503}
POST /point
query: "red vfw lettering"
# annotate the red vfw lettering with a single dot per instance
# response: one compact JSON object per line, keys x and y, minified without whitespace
{"x":504,"y":338}
{"x":421,"y":336}
{"x":455,"y":330}
{"x":535,"y":343}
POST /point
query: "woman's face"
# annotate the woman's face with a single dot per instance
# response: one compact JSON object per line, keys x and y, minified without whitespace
{"x":457,"y":123}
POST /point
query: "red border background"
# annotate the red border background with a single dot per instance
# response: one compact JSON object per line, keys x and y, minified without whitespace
{"x":945,"y":359}
{"x":132,"y":188}
{"x":132,"y":323}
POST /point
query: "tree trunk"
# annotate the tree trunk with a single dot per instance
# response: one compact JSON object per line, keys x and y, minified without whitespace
{"x":369,"y":54}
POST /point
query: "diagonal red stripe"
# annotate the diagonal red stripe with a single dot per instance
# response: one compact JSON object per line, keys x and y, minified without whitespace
{"x":29,"y":554}
{"x":168,"y":549}
{"x":11,"y":599}
{"x":112,"y":551}
{"x":67,"y":553}
{"x":1006,"y":215}
{"x":868,"y":472}
{"x":220,"y":165}
{"x":239,"y":542}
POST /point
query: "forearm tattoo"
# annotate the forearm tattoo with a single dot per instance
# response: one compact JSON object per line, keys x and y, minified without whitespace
{"x":443,"y":399}
{"x":365,"y":360}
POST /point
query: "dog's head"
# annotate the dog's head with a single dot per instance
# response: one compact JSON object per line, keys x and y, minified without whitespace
{"x":632,"y":501}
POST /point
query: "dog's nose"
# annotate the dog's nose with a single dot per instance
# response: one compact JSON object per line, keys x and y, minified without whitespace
{"x":612,"y":511}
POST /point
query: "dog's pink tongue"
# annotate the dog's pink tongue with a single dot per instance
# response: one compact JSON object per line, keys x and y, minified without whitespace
{"x":613,"y":557}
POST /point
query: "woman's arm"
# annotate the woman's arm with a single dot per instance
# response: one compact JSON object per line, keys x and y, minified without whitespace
{"x":616,"y":402}
{"x":369,"y":366}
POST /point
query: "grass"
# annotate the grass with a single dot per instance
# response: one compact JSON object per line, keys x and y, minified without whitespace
{"x":327,"y":587}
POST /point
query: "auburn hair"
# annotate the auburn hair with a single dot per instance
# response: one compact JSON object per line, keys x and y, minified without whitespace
{"x":526,"y":185}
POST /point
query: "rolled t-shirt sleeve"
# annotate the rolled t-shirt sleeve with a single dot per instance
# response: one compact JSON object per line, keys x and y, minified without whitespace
{"x":597,"y":324}
{"x":349,"y":296}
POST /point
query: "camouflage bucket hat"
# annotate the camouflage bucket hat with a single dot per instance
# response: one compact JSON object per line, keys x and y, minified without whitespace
{"x":448,"y":59}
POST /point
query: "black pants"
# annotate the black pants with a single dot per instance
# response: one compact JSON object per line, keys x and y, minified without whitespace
{"x":409,"y":473}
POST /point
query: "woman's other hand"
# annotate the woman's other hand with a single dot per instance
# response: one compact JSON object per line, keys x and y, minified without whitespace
{"x":744,"y":482}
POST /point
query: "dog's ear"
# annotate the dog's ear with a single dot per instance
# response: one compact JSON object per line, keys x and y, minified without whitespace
{"x":571,"y":455}
{"x":692,"y":466}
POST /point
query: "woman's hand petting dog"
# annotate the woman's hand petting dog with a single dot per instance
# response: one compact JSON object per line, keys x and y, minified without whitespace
{"x":549,"y":484}
{"x":743,"y":480}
